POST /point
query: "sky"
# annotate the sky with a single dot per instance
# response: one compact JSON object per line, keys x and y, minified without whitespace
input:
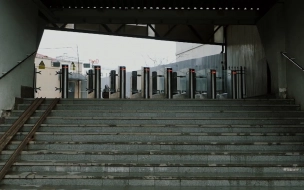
{"x":111,"y":51}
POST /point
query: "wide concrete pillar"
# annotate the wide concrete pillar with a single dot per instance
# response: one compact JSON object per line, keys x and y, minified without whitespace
{"x":20,"y":34}
{"x":272,"y":31}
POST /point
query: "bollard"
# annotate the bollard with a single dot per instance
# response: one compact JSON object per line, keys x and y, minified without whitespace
{"x":191,"y":87}
{"x":145,"y":81}
{"x":97,"y":86}
{"x":113,"y":81}
{"x":122,"y":82}
{"x":65,"y":81}
{"x":211,"y":84}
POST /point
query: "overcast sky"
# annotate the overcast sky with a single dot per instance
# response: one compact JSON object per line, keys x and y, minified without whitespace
{"x":111,"y":51}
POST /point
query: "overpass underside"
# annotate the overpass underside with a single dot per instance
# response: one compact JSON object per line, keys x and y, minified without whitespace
{"x":184,"y":21}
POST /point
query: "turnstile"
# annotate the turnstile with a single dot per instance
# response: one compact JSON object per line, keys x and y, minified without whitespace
{"x":65,"y":81}
{"x":211,"y":84}
{"x":122,"y":82}
{"x":97,"y":83}
{"x":168,"y":83}
{"x":145,"y":82}
{"x":191,"y":83}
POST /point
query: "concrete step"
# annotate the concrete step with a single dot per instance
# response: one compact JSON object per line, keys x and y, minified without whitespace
{"x":164,"y":156}
{"x":91,"y":187}
{"x":101,"y":167}
{"x":164,"y":121}
{"x":196,"y":107}
{"x":173,"y":113}
{"x":163,"y":137}
{"x":163,"y":128}
{"x":167,"y":102}
{"x":168,"y":146}
{"x":154,"y":179}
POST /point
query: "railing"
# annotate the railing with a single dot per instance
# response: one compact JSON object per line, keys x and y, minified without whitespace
{"x":19,"y":63}
{"x":28,"y":137}
{"x":292,"y":60}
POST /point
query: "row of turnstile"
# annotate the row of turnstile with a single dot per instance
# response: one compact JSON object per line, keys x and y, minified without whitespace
{"x":234,"y":80}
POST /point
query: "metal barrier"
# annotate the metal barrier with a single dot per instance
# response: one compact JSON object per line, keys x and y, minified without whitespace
{"x":122,"y":82}
{"x":145,"y":82}
{"x":168,"y":83}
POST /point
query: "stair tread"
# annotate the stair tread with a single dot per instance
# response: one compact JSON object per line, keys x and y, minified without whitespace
{"x":125,"y":163}
{"x":164,"y":118}
{"x":163,"y":134}
{"x":167,"y":126}
{"x":153,"y":175}
{"x":270,"y":143}
{"x":76,"y":187}
{"x":160,"y":152}
{"x":72,"y":187}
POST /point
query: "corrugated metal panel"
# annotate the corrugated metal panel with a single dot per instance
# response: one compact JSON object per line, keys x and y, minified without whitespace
{"x":245,"y":49}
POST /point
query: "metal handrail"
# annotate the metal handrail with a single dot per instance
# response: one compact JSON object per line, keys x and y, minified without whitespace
{"x":19,"y":63}
{"x":292,"y":60}
{"x":27,"y":139}
{"x":11,"y":132}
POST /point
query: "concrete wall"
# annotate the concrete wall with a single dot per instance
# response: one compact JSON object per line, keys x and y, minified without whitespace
{"x":20,"y":34}
{"x":244,"y":48}
{"x":282,"y":29}
{"x":294,"y":46}
{"x":48,"y":79}
{"x":272,"y":31}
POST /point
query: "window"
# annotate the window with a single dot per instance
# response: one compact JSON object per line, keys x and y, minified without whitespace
{"x":55,"y":64}
{"x":86,"y":65}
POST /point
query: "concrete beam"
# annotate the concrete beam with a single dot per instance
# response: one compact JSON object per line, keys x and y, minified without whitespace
{"x":114,"y":16}
{"x":179,"y":33}
{"x":45,"y":11}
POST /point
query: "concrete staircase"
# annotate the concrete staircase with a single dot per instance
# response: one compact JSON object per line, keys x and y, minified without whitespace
{"x":161,"y":144}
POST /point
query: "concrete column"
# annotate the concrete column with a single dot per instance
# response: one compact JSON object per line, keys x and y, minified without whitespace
{"x":20,"y":34}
